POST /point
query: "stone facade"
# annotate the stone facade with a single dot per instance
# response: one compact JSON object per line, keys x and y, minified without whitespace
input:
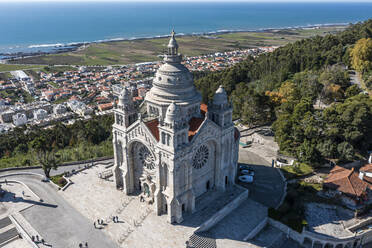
{"x":180,"y":148}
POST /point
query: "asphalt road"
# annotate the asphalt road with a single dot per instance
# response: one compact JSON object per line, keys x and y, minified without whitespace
{"x":56,"y":220}
{"x":268,"y":186}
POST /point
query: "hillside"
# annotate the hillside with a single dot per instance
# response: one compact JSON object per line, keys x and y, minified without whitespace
{"x":282,"y":87}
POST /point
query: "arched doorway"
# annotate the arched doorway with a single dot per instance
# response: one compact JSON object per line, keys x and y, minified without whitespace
{"x":146,"y":189}
{"x":142,"y":166}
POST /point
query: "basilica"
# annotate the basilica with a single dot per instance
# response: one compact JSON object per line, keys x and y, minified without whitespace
{"x":172,"y":148}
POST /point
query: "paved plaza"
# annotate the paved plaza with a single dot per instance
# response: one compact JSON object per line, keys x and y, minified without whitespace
{"x":65,"y":218}
{"x":138,"y":225}
{"x":327,"y":219}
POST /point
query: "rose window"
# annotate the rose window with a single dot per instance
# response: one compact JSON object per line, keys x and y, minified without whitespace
{"x":200,"y":157}
{"x":146,"y":158}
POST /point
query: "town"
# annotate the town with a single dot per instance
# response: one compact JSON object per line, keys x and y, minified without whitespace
{"x":82,"y":91}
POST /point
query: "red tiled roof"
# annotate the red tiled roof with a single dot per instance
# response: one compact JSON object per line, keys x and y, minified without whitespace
{"x":366,"y":168}
{"x":368,"y":180}
{"x":194,"y":124}
{"x":105,"y":106}
{"x":203,"y":108}
{"x":338,"y":169}
{"x":346,"y":181}
{"x":153,"y":127}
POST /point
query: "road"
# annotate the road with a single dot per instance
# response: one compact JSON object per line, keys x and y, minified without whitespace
{"x":268,"y":185}
{"x":56,"y":220}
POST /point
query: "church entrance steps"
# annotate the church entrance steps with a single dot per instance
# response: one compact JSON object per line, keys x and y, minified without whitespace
{"x":239,"y":222}
{"x":209,"y":205}
{"x":273,"y":237}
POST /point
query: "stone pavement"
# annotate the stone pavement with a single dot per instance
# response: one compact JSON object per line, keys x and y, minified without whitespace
{"x":139,"y":226}
{"x":237,"y":225}
{"x":14,"y":201}
{"x":17,"y":198}
{"x":58,"y":222}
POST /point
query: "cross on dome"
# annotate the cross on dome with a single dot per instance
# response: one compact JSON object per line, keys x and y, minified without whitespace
{"x":172,"y":45}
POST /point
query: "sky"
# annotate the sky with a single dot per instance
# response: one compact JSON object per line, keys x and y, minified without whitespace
{"x":299,"y":1}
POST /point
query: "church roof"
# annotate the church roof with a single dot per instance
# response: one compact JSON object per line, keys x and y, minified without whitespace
{"x":203,"y":108}
{"x":153,"y":127}
{"x":194,"y":124}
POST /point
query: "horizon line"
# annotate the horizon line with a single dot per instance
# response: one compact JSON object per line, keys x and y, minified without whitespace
{"x":190,"y":1}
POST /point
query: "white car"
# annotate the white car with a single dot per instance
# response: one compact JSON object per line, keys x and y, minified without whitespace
{"x":246,"y":179}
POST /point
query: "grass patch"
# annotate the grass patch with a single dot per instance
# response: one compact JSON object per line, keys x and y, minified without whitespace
{"x":10,"y":67}
{"x":59,"y":180}
{"x":297,"y":170}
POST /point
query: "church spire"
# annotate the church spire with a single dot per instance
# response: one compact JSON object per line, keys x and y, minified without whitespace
{"x":172,"y":45}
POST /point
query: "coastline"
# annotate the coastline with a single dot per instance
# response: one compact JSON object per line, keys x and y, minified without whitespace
{"x":74,"y":46}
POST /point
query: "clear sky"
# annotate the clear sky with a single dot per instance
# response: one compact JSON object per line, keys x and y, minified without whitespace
{"x":299,"y":1}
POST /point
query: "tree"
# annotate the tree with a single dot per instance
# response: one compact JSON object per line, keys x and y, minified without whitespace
{"x":361,"y":55}
{"x":45,"y":154}
{"x":352,"y":91}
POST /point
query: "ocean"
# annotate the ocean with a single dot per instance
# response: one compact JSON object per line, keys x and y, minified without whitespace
{"x":43,"y":26}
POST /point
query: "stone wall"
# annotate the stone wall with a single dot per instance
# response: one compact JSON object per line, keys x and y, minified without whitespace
{"x":290,"y":232}
{"x":257,"y":229}
{"x":223,"y":212}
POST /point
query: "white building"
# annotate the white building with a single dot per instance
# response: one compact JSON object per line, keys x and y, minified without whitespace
{"x":59,"y":109}
{"x":20,"y":75}
{"x":19,"y":119}
{"x":40,"y":114}
{"x":79,"y":108}
{"x":182,"y":148}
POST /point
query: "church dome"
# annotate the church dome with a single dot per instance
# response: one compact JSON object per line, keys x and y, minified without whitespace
{"x":220,"y":97}
{"x":173,"y":82}
{"x":173,"y":113}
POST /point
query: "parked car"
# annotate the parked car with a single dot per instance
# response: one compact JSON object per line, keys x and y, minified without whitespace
{"x":246,"y":179}
{"x":244,"y":167}
{"x":247,"y":172}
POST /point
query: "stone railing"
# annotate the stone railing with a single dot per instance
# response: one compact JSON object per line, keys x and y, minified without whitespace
{"x":353,"y":240}
{"x":256,"y":230}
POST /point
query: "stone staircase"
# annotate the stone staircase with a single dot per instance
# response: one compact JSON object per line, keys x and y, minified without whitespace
{"x":8,"y":231}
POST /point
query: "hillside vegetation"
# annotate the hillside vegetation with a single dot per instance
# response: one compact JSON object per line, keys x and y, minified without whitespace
{"x":282,"y":88}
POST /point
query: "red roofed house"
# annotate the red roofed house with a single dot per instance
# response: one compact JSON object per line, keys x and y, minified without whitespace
{"x":349,"y":186}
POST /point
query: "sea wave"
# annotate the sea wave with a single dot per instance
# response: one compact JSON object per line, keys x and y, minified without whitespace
{"x":46,"y":45}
